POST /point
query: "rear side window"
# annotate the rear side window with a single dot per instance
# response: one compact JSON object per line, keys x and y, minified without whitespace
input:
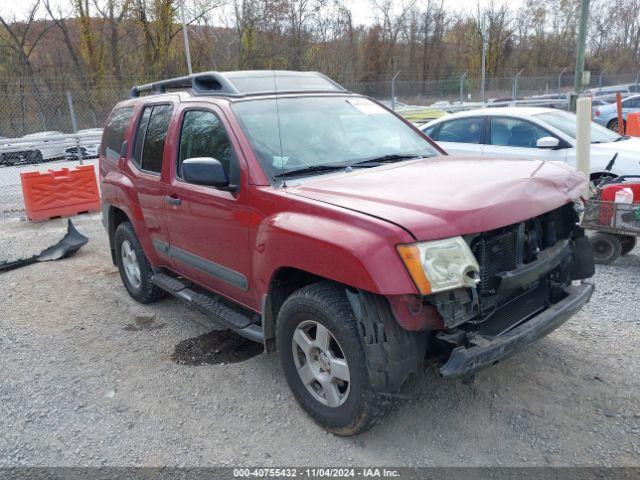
{"x":463,"y":130}
{"x":150,"y":137}
{"x":113,"y":135}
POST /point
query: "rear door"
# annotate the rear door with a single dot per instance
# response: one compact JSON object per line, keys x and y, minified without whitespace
{"x":515,"y":137}
{"x":460,"y":136}
{"x":208,"y":227}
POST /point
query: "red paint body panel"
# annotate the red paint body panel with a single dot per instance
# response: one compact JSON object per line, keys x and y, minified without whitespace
{"x":447,"y":196}
{"x":344,"y":227}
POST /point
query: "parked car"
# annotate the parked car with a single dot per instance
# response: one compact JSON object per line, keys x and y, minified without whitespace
{"x":607,"y":115}
{"x":531,"y":132}
{"x":50,"y":149}
{"x":32,"y":149}
{"x":354,"y":252}
{"x":88,"y":149}
{"x":611,"y":90}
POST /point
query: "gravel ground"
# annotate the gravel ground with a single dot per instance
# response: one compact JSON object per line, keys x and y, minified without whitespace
{"x":92,"y":378}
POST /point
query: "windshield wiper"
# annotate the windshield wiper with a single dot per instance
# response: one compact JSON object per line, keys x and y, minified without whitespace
{"x":310,"y":169}
{"x":622,"y":137}
{"x":395,"y":157}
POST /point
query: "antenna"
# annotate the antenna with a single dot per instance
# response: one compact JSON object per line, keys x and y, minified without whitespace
{"x":275,"y":90}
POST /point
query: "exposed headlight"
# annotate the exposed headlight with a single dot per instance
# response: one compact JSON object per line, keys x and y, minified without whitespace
{"x":440,"y":265}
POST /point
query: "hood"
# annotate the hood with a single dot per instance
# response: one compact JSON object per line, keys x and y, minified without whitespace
{"x":628,"y":161}
{"x":628,"y":147}
{"x":447,"y":196}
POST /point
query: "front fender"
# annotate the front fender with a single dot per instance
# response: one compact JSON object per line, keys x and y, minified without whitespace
{"x":346,"y":253}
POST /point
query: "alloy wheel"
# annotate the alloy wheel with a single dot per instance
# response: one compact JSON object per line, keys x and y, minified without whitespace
{"x":321,"y":363}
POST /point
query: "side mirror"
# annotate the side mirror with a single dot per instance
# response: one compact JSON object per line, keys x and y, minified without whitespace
{"x":206,"y":171}
{"x":548,"y":142}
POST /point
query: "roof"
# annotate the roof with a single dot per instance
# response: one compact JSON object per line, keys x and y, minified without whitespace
{"x":244,"y":83}
{"x":496,"y":111}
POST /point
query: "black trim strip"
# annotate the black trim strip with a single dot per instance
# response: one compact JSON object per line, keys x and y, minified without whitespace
{"x":208,"y":267}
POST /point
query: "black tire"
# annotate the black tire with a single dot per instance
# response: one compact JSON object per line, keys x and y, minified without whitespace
{"x":326,"y":303}
{"x":35,"y":157}
{"x":613,"y":125}
{"x":628,"y":243}
{"x":145,"y":292}
{"x":606,"y":248}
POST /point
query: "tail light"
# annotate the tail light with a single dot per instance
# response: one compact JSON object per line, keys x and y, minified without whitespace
{"x":597,"y":113}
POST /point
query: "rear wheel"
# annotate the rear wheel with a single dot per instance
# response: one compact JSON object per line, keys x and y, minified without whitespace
{"x":606,"y":248}
{"x":135,"y":269}
{"x":323,"y":359}
{"x":628,"y":243}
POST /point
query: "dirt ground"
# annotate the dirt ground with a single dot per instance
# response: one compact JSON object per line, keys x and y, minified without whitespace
{"x":89,"y":377}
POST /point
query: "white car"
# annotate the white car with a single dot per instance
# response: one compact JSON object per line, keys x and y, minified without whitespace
{"x":88,"y":148}
{"x":538,"y":133}
{"x":50,"y":149}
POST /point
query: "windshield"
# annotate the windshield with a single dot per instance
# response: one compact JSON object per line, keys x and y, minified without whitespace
{"x":325,"y":131}
{"x":566,"y":122}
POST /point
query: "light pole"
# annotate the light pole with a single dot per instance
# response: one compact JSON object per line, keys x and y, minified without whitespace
{"x":580,"y":50}
{"x":484,"y":61}
{"x":600,"y":80}
{"x":393,"y":90}
{"x":560,"y":78}
{"x":187,"y":51}
{"x":462,"y":77}
{"x":515,"y":83}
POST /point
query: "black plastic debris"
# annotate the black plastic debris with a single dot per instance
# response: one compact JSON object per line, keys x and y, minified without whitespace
{"x":66,"y":247}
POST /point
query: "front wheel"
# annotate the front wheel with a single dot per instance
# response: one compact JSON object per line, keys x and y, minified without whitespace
{"x":324,"y":362}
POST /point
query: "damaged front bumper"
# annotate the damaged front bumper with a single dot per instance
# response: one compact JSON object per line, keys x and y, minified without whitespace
{"x":465,"y":361}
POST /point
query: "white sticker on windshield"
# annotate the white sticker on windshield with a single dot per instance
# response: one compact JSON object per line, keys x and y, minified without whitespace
{"x":366,"y":107}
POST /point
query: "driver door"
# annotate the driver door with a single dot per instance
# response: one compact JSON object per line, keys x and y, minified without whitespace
{"x":208,"y":227}
{"x":514,"y":137}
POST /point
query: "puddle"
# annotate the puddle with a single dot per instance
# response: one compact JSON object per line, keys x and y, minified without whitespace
{"x":143,"y":322}
{"x":215,"y":348}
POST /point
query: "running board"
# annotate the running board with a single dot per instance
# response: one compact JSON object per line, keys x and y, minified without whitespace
{"x":213,"y":306}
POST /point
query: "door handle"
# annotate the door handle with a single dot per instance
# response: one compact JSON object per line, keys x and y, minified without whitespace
{"x":175,"y":201}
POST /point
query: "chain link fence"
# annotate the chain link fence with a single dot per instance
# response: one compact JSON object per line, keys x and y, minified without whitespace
{"x":41,"y":130}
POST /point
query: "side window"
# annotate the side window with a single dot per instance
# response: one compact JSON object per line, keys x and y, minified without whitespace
{"x":512,"y":132}
{"x":152,"y":131}
{"x":204,"y":135}
{"x":632,"y":103}
{"x":463,"y":130}
{"x":113,"y":135}
{"x":430,"y":132}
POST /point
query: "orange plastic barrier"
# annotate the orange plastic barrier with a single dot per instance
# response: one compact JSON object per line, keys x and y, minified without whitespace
{"x":60,"y":193}
{"x":633,"y":124}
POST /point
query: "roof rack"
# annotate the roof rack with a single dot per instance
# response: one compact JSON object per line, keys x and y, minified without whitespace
{"x":239,"y":83}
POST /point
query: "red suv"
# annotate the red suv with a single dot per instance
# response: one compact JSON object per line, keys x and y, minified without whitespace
{"x":322,"y":224}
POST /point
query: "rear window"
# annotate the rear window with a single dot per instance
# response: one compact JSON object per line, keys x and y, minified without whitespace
{"x":113,"y":135}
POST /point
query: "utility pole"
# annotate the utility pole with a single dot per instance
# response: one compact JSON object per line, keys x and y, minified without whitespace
{"x":580,"y":50}
{"x":187,"y":52}
{"x":484,"y":60}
